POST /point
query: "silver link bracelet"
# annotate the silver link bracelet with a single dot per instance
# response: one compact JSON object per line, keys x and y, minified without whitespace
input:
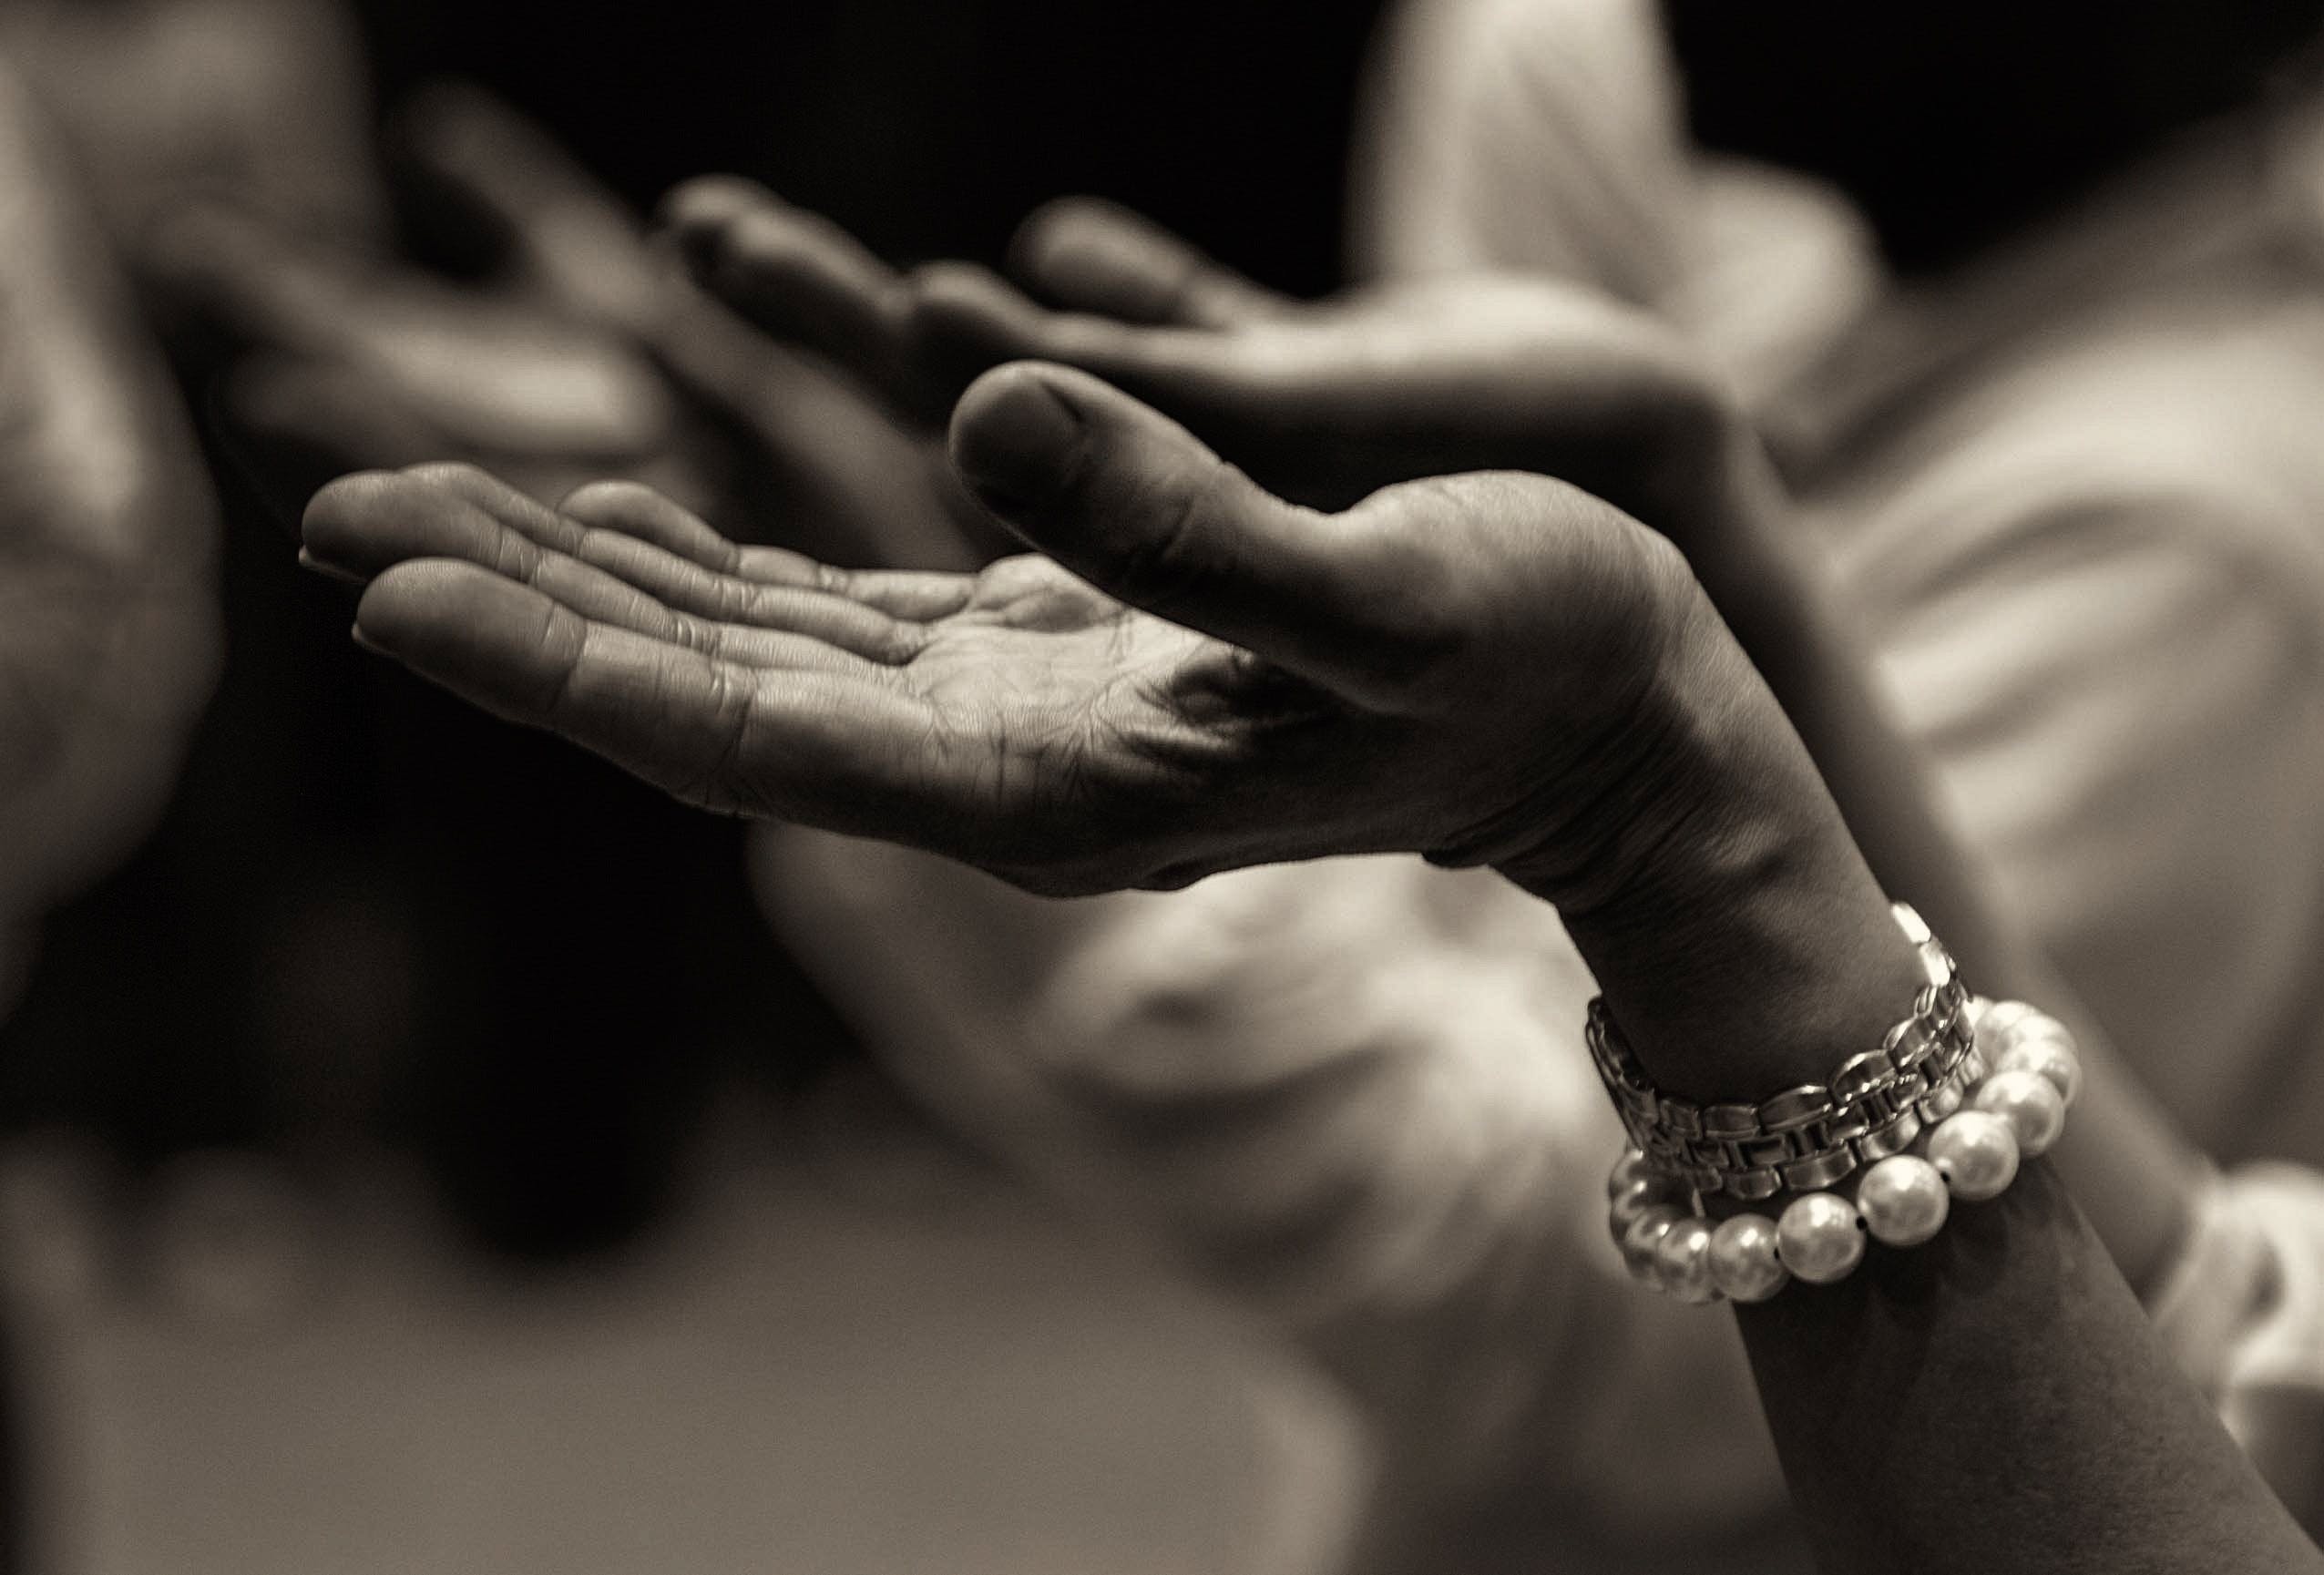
{"x":1817,"y":1134}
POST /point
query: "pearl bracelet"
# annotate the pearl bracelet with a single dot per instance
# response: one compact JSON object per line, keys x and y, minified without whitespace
{"x":2024,"y":1075}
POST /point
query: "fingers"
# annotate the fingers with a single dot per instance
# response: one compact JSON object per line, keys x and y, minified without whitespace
{"x":626,"y":507}
{"x":1153,"y":304}
{"x":1095,"y":256}
{"x":807,"y":746}
{"x":239,"y":281}
{"x":568,"y":235}
{"x":831,"y":464}
{"x":965,"y":321}
{"x":1129,"y":501}
{"x":362,"y":526}
{"x":796,"y":274}
{"x":413,"y":523}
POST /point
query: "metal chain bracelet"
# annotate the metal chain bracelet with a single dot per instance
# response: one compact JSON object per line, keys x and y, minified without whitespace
{"x":1957,"y":1095}
{"x":1874,"y":1105}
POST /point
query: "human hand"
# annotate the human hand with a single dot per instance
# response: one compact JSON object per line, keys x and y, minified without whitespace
{"x":1488,"y":670}
{"x":1330,"y":684}
{"x":1323,"y":403}
{"x":108,"y":638}
{"x":581,"y":354}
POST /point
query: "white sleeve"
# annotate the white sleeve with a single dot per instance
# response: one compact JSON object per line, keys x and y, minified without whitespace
{"x":2124,"y":701}
{"x":1351,"y":1095}
{"x":2243,"y":1311}
{"x":1542,"y":136}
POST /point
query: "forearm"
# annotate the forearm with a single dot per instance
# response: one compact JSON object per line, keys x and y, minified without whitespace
{"x":1993,"y":1401}
{"x":1996,"y":1401}
{"x":2133,"y":1173}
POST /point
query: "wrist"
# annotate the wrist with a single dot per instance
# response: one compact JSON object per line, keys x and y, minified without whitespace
{"x":1732,"y":925}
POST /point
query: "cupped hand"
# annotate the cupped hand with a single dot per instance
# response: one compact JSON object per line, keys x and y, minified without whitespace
{"x":1471,"y":667}
{"x":1323,"y":403}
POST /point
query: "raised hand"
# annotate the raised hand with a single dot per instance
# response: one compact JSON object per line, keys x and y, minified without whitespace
{"x":583,"y":354}
{"x":338,"y":357}
{"x":1275,"y":683}
{"x":1324,"y":404}
{"x":108,"y":637}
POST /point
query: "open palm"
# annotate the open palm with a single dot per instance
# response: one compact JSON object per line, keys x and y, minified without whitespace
{"x":1272,"y":684}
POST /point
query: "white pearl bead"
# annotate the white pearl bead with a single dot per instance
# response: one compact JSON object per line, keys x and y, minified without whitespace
{"x":1631,"y":1202}
{"x":1682,"y":1259}
{"x":1628,"y":1171}
{"x":1903,"y":1200}
{"x":1994,"y":1019}
{"x":1820,"y":1238}
{"x":1976,"y":1152}
{"x":1941,"y":1101}
{"x":2031,"y":1104}
{"x":1744,"y":1264}
{"x":1638,"y":1241}
{"x":2048,"y":1056}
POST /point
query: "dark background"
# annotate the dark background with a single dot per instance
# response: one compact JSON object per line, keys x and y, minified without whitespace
{"x":374,"y":916}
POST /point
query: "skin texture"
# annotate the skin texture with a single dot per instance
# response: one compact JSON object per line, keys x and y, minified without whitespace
{"x":1284,"y":386}
{"x":1033,"y":683}
{"x":1715,"y":890}
{"x":1327,"y":401}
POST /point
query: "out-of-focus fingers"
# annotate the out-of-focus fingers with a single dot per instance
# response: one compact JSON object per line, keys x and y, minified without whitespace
{"x":226,"y":276}
{"x":965,"y":321}
{"x":796,"y":274}
{"x":1091,"y":255}
{"x":567,"y":232}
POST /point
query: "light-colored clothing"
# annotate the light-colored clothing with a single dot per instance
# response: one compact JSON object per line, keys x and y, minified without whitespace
{"x":2071,"y":497}
{"x":1347,"y":1093}
{"x":2075,"y":494}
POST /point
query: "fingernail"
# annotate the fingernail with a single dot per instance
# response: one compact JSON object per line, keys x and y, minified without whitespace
{"x":1015,"y":438}
{"x":314,"y":564}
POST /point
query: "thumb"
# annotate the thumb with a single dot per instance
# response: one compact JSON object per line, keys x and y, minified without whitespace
{"x":1096,"y":256}
{"x":1128,"y":499}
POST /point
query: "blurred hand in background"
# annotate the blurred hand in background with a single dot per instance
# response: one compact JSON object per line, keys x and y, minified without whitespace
{"x":268,"y":100}
{"x":1323,"y":403}
{"x":108,"y":636}
{"x":577,"y":352}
